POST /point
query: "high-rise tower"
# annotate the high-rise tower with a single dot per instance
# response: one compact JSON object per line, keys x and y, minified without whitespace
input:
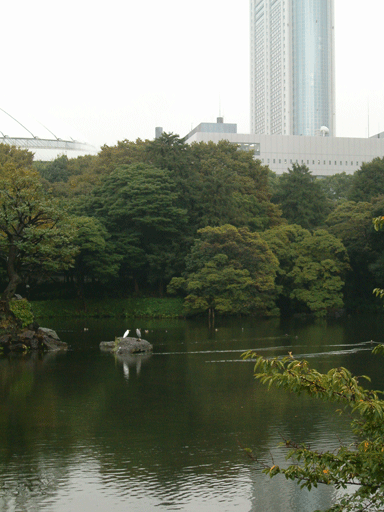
{"x":292,"y":66}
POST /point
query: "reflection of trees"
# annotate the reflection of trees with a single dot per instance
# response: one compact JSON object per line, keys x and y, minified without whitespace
{"x":180,"y":415}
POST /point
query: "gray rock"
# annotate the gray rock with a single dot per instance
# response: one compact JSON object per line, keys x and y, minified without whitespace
{"x":50,"y":332}
{"x":42,"y":340}
{"x":127,"y":345}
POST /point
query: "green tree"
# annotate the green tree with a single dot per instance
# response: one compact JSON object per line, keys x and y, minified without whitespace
{"x":19,"y":157}
{"x":229,"y":270}
{"x":96,"y":259}
{"x":310,"y":277}
{"x":301,"y":197}
{"x":337,"y":187}
{"x":351,"y":222}
{"x":169,"y":151}
{"x":139,"y":206}
{"x":368,"y":181}
{"x":358,"y":466}
{"x":35,"y":235}
{"x":125,"y":152}
{"x":231,"y":187}
{"x":55,"y":171}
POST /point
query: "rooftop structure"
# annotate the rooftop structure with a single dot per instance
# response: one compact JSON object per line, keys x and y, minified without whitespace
{"x":324,"y":156}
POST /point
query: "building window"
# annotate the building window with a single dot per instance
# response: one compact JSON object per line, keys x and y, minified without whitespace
{"x":313,"y":162}
{"x":335,"y":162}
{"x":279,"y":160}
{"x":330,"y":163}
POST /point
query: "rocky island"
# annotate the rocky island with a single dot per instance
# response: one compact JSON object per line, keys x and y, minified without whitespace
{"x":127,"y":346}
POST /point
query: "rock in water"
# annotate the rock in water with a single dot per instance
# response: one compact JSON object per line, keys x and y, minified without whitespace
{"x":43,"y":339}
{"x":127,"y":345}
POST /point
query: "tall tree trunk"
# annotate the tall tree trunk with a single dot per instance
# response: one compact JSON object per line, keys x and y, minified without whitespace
{"x":7,"y":318}
{"x":14,"y":278}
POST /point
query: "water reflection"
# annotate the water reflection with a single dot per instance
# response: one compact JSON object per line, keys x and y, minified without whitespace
{"x":74,"y":436}
{"x":132,"y":361}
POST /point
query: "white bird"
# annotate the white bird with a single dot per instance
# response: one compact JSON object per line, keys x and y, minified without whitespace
{"x":126,"y":333}
{"x":138,"y":333}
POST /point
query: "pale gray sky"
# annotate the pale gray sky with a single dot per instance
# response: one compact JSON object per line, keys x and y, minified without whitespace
{"x":115,"y":70}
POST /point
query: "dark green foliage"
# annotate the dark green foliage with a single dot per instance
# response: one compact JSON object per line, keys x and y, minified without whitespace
{"x":145,"y":201}
{"x":110,"y":308}
{"x":301,"y":198}
{"x":36,"y":235}
{"x":231,"y":187}
{"x":57,"y":170}
{"x":352,"y":223}
{"x":169,"y":152}
{"x":310,"y":277}
{"x":23,"y":311}
{"x":138,"y":204}
{"x":95,"y":260}
{"x":229,"y":270}
{"x":368,"y":181}
{"x":337,"y":187}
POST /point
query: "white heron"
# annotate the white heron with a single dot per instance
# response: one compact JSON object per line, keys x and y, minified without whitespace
{"x":126,"y":333}
{"x":138,"y":333}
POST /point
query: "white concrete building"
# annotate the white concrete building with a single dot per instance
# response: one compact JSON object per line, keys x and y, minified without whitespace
{"x":292,"y":67}
{"x":324,"y":156}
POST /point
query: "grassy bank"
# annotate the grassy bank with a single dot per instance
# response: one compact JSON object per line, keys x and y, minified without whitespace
{"x":112,"y":308}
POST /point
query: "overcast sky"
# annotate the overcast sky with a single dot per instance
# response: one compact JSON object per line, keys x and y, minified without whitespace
{"x":115,"y":70}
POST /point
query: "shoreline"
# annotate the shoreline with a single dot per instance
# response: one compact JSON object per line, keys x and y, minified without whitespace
{"x":110,"y":308}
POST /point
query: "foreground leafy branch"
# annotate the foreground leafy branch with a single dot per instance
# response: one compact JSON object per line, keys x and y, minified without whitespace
{"x":359,"y":466}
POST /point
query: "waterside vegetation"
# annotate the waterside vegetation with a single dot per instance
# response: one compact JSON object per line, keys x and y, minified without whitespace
{"x":205,"y":222}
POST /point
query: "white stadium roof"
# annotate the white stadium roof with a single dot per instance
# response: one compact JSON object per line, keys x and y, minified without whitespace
{"x":46,"y":141}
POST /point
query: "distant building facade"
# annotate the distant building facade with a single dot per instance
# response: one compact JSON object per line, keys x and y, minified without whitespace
{"x":324,"y":156}
{"x":292,"y":67}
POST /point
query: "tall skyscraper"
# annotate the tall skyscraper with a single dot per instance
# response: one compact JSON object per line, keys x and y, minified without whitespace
{"x":292,"y":67}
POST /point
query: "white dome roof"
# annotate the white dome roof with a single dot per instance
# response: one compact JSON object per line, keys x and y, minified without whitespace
{"x":16,"y":124}
{"x":22,"y":130}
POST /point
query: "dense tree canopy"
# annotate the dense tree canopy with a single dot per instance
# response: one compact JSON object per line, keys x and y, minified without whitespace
{"x":351,"y":222}
{"x":337,"y":187}
{"x":368,"y":181}
{"x":301,"y":197}
{"x":229,"y":270}
{"x":148,"y":219}
{"x":312,"y":266}
{"x":138,"y":204}
{"x":35,"y":235}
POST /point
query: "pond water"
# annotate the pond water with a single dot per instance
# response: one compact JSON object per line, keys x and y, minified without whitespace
{"x":87,"y":431}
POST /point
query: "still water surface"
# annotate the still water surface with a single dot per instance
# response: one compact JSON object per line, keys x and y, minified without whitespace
{"x":84,"y":431}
